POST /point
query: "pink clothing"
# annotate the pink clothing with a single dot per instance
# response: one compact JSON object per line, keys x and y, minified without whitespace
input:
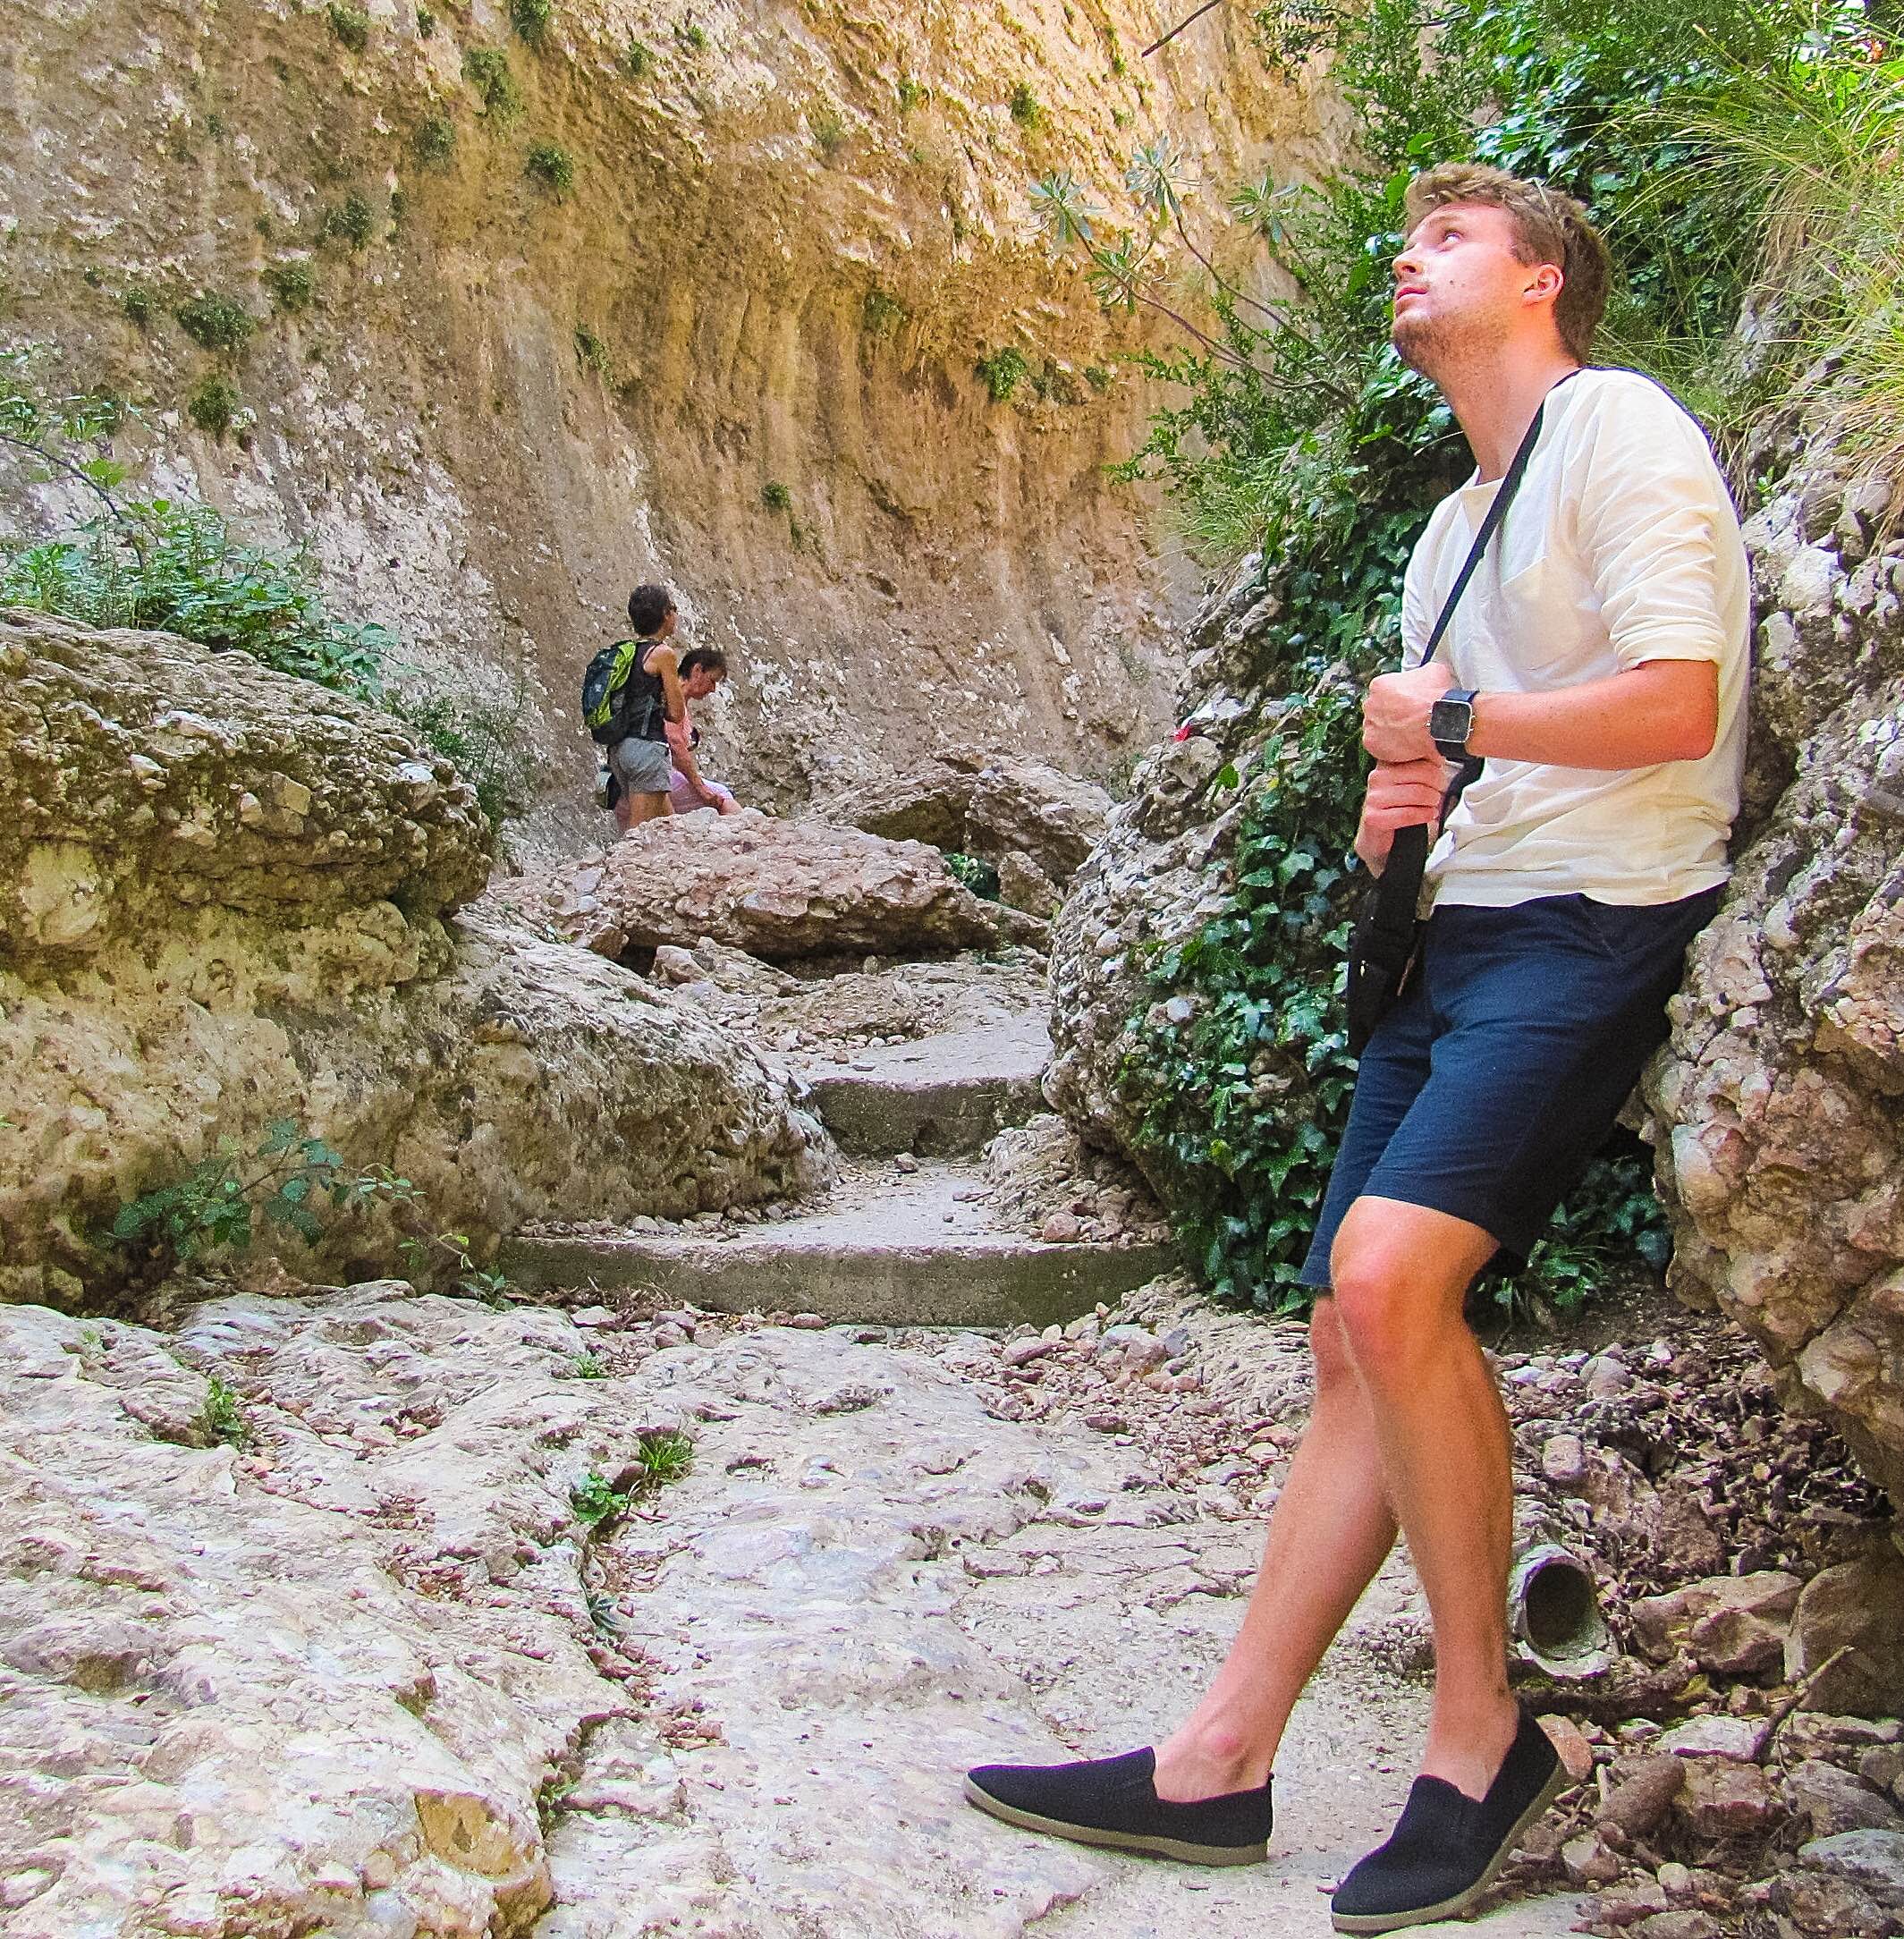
{"x":685,"y":798}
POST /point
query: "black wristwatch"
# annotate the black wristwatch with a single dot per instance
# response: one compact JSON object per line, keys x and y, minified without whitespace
{"x":1450,"y":721}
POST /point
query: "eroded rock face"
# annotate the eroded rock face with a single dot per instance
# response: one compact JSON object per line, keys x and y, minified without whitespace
{"x":1782,"y":1152}
{"x":780,"y":890}
{"x":174,"y":993}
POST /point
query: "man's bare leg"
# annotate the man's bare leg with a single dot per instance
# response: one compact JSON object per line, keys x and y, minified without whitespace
{"x":1330,"y":1532}
{"x":1400,"y":1273}
{"x":632,"y":809}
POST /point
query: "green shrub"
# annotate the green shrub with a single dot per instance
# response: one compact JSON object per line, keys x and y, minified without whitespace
{"x":1004,"y":370}
{"x":486,"y":741}
{"x":912,"y":94}
{"x":426,"y":24}
{"x":215,"y":404}
{"x":293,"y":286}
{"x":1025,"y":109}
{"x":351,"y":25}
{"x":487,"y":70}
{"x":828,"y":129}
{"x":636,"y":59}
{"x":216,"y":323}
{"x":222,"y":1419}
{"x":592,"y":354}
{"x":693,"y":36}
{"x":550,"y":167}
{"x":973,"y":873}
{"x":434,"y":140}
{"x":530,"y":19}
{"x":353,"y":222}
{"x":776,"y":497}
{"x":138,"y":305}
{"x":1097,"y":376}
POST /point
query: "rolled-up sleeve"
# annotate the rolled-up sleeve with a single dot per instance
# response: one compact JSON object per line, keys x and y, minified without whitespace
{"x":1653,"y":513}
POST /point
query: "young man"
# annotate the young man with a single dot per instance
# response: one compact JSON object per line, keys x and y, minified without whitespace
{"x":702,"y":671}
{"x":1597,"y":662}
{"x":640,"y":763}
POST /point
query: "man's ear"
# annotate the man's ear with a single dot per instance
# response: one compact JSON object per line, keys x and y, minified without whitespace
{"x":1548,"y":280}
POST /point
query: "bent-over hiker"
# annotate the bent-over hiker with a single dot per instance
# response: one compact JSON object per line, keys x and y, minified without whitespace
{"x":630,"y":695}
{"x":702,"y":671}
{"x":1597,"y":663}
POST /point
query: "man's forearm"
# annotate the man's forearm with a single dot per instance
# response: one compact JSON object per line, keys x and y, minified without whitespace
{"x":1665,"y":710}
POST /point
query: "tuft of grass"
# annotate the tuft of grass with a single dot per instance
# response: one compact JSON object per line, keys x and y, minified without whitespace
{"x":828,"y":129}
{"x":776,"y":497}
{"x":530,"y":19}
{"x":138,"y":305}
{"x":487,"y":70}
{"x":352,"y":221}
{"x":222,"y":1419}
{"x":1004,"y":370}
{"x":588,"y":1365}
{"x":216,"y":323}
{"x":293,"y":286}
{"x":638,"y":59}
{"x":351,"y":25}
{"x":664,"y":1455}
{"x":551,"y":166}
{"x":912,"y":94}
{"x":434,"y":140}
{"x":1025,"y":109}
{"x":693,"y":36}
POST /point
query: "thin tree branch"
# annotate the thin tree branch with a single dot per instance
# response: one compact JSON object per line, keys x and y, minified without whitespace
{"x":1179,"y":28}
{"x":71,"y":469}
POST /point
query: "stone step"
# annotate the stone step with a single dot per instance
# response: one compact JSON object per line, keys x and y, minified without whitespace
{"x":940,"y":1097}
{"x":887,"y":1248}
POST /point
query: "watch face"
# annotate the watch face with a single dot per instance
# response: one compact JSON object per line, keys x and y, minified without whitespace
{"x":1450,"y":720}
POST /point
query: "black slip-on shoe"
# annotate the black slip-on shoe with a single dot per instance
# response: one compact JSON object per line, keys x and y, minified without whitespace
{"x":1113,"y":1802}
{"x":1448,"y":1846}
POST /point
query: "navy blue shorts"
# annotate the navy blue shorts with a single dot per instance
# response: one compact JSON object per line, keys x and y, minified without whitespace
{"x":1499,"y":1074}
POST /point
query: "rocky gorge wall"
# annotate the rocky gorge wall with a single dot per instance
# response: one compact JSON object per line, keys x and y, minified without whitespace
{"x":1774,"y":1109}
{"x":726,"y":336}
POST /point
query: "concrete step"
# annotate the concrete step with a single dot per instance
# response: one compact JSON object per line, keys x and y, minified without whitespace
{"x":939,"y":1096}
{"x":886,"y":1249}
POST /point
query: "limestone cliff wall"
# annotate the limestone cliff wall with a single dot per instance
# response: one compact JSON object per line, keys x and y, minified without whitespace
{"x":515,"y":398}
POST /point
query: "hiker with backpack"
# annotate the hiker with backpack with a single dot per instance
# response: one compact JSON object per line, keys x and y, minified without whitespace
{"x":630,"y":695}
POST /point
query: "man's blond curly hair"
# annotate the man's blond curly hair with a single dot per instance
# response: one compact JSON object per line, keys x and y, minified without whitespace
{"x":1549,"y":227}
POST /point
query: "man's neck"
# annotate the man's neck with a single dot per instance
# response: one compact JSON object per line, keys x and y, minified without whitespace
{"x":1495,"y":402}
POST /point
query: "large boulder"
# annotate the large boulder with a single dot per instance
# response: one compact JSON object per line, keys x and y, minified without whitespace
{"x":163,"y":997}
{"x":781,"y":890}
{"x":1782,"y":1151}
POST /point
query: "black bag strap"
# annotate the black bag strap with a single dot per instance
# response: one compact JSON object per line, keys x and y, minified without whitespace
{"x":1397,"y":888}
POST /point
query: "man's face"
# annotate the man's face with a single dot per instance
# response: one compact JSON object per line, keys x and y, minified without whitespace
{"x":701,"y":683}
{"x":1460,"y":288}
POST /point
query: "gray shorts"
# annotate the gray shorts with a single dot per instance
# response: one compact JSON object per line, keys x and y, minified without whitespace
{"x":641,"y":766}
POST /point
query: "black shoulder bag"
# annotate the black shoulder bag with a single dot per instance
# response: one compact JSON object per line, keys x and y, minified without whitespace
{"x":1386,"y":938}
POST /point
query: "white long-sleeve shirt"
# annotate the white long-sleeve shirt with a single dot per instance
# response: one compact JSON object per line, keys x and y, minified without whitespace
{"x":1620,"y":546}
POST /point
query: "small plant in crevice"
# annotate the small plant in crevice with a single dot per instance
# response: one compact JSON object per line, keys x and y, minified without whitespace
{"x":222,"y":1419}
{"x":292,"y":287}
{"x":215,"y":404}
{"x":911,"y":93}
{"x":592,"y":354}
{"x":426,"y":24}
{"x":664,"y":1454}
{"x":588,"y":1365}
{"x":594,"y":1500}
{"x":775,"y":496}
{"x":216,"y":322}
{"x":550,"y":167}
{"x":881,"y":314}
{"x":433,"y":140}
{"x":693,"y":36}
{"x":350,"y":26}
{"x":1004,"y":370}
{"x":478,"y":1282}
{"x":638,"y":59}
{"x":828,"y":129}
{"x":137,"y":305}
{"x":221,"y":1203}
{"x":530,"y":20}
{"x":1025,"y":109}
{"x":353,"y":222}
{"x":487,"y":70}
{"x":973,"y":873}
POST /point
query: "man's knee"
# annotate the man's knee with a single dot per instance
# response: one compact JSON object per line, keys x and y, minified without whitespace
{"x":1399,"y":1273}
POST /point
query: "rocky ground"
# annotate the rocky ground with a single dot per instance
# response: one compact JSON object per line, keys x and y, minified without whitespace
{"x":373,"y":1613}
